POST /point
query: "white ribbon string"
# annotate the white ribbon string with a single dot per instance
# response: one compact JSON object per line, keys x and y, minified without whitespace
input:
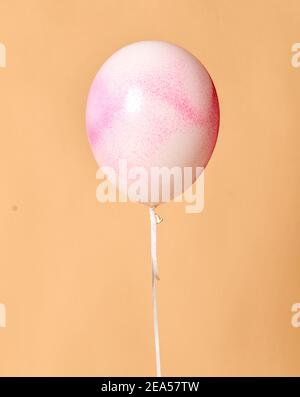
{"x":154,"y":279}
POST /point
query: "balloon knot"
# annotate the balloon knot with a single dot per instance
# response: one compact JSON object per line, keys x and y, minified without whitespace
{"x":158,"y":219}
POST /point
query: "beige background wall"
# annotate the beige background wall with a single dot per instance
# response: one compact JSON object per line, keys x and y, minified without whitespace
{"x":75,"y":274}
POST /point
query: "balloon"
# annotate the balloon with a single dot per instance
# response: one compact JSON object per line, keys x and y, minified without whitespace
{"x":152,"y":104}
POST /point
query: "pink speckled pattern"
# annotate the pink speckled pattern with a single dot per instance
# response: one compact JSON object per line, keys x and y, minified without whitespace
{"x":154,"y":104}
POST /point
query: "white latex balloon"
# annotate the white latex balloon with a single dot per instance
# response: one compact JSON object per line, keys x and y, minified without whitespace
{"x":152,"y":104}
